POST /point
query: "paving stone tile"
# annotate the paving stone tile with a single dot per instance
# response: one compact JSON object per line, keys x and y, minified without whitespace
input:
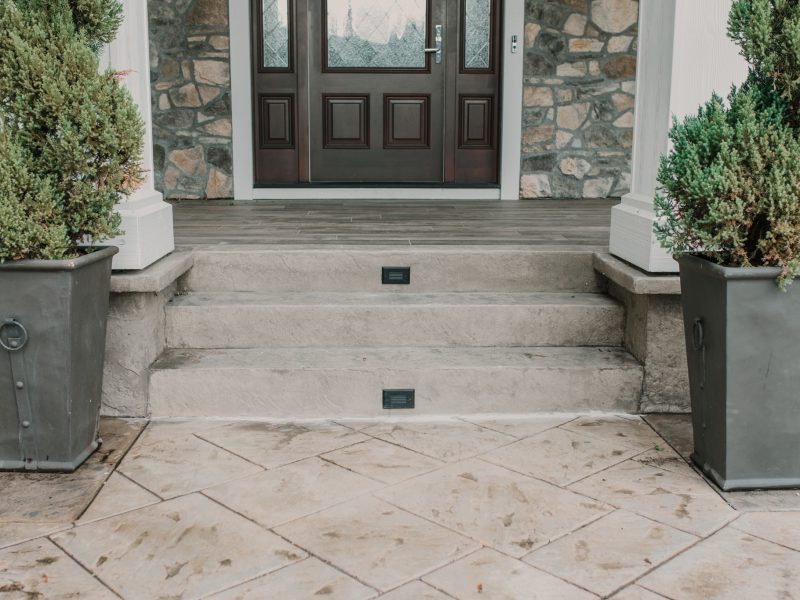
{"x":310,"y":579}
{"x":119,"y":495}
{"x":629,"y":430}
{"x":62,"y":497}
{"x":779,"y":527}
{"x":611,"y":552}
{"x":375,"y":542}
{"x":686,"y":503}
{"x":174,"y":428}
{"x":416,"y":590}
{"x":39,"y":569}
{"x":676,"y":430}
{"x":489,"y":574}
{"x":118,"y":436}
{"x":275,"y":444}
{"x":382,"y":461}
{"x":447,"y":441}
{"x":50,"y":497}
{"x":730,"y":565}
{"x":764,"y":500}
{"x":185,"y":547}
{"x":520,"y":427}
{"x":664,"y":457}
{"x":17,"y":532}
{"x":634,"y":592}
{"x":561,"y":456}
{"x":290,"y":492}
{"x":495,"y":506}
{"x":173,"y":466}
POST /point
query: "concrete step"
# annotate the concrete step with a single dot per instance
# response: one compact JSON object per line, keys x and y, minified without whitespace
{"x":285,"y":319}
{"x":348,"y":382}
{"x":358,"y":268}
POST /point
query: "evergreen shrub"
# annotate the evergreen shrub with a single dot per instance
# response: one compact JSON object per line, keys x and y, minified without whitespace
{"x":730,"y":185}
{"x":70,"y":136}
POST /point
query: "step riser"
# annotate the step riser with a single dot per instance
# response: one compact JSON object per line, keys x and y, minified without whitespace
{"x":348,"y":326}
{"x":432,"y":270}
{"x":312,"y":393}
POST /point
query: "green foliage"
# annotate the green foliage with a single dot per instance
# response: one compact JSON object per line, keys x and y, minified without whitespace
{"x":730,"y":186}
{"x":768,"y":32}
{"x":73,"y":132}
{"x":29,"y":215}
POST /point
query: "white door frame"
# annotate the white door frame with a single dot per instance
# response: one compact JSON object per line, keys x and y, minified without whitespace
{"x":242,"y":115}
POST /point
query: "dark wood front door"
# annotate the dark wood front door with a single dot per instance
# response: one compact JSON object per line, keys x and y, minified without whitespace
{"x":376,"y":91}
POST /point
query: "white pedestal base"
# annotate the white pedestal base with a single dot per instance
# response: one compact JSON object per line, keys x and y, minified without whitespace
{"x":633,"y":239}
{"x":148,"y":234}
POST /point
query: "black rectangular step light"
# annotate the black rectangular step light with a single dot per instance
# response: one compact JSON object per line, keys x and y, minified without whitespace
{"x":396,"y":275}
{"x":398,"y":399}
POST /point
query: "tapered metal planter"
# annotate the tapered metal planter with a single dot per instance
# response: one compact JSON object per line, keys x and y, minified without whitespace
{"x":743,"y":346}
{"x":52,"y":341}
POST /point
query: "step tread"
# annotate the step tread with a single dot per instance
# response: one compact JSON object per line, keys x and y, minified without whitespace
{"x":257,"y":298}
{"x":423,"y":359}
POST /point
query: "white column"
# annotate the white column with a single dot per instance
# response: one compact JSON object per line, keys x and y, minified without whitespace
{"x":684,"y":56}
{"x":146,"y":218}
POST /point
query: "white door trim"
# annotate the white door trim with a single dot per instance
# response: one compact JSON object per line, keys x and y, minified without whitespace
{"x":242,"y":116}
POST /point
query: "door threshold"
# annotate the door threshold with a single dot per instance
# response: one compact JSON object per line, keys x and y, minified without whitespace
{"x":369,"y":192}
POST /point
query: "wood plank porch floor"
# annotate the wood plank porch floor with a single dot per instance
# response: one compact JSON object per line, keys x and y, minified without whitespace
{"x":392,"y":222}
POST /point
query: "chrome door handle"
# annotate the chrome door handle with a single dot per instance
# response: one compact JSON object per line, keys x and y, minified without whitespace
{"x":438,"y":48}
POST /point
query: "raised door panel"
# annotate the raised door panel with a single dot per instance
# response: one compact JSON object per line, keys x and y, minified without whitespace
{"x":276,"y":121}
{"x":476,"y":122}
{"x":346,"y":121}
{"x":406,"y":121}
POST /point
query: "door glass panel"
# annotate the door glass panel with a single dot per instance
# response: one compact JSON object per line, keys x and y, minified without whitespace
{"x":276,"y":34}
{"x":376,"y":34}
{"x":477,"y":34}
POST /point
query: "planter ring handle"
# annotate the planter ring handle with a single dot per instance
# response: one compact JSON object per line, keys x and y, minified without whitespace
{"x":14,"y":345}
{"x":698,"y":335}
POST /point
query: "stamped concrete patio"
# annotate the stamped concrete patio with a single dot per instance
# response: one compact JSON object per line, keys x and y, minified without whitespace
{"x":551,"y":507}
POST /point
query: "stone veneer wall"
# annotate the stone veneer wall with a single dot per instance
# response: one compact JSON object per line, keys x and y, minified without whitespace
{"x":580,"y":78}
{"x":190,"y":73}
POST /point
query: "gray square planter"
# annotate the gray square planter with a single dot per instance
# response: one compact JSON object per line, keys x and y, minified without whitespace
{"x":52,"y":342}
{"x":743,"y":347}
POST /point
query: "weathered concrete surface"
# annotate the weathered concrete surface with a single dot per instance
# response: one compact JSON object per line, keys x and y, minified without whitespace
{"x":447,"y":505}
{"x":134,"y":340}
{"x":654,"y":335}
{"x":347,"y":382}
{"x":251,"y":320}
{"x":457,"y":268}
{"x":32,"y":504}
{"x":653,"y":331}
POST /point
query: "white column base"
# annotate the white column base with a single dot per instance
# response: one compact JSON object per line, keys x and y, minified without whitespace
{"x":633,"y":239}
{"x":148,"y":234}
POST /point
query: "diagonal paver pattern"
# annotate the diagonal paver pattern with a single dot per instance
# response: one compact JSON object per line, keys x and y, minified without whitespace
{"x":557,"y":507}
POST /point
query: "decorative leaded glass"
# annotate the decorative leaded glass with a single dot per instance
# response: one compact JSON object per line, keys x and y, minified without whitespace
{"x":376,"y":34}
{"x":477,"y":34}
{"x":276,"y":34}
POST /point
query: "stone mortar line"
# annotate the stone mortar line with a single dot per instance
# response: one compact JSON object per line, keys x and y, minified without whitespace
{"x":91,"y":573}
{"x":498,"y":550}
{"x":694,"y":467}
{"x":383,"y":483}
{"x":524,"y":437}
{"x":113,"y":470}
{"x":700,"y":540}
{"x":399,"y":445}
{"x":295,"y":544}
{"x":697,"y":540}
{"x":732,"y":525}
